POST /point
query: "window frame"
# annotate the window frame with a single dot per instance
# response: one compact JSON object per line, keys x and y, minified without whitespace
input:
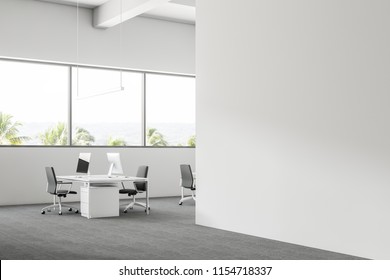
{"x":145,"y":120}
{"x":71,"y":66}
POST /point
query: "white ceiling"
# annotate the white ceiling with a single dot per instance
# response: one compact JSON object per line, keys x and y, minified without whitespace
{"x":176,"y":10}
{"x":82,"y":3}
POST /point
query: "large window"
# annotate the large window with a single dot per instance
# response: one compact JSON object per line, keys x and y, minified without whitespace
{"x":170,"y":110}
{"x":33,"y":103}
{"x":58,"y":104}
{"x":103,"y":113}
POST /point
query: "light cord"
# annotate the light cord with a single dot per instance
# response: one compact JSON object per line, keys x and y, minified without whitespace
{"x":120,"y":47}
{"x":77,"y":48}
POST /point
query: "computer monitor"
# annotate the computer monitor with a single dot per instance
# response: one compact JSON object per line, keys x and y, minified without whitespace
{"x":83,"y":163}
{"x":115,"y":164}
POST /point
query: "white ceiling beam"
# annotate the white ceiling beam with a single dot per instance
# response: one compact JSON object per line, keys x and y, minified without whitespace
{"x":109,"y":14}
{"x":173,"y":12}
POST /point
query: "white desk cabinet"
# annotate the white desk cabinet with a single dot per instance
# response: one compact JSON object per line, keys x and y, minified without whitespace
{"x":103,"y":200}
{"x":97,"y":202}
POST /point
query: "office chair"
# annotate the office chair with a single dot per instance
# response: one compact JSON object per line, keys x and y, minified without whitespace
{"x":54,"y":188}
{"x":139,"y":187}
{"x":187,"y":182}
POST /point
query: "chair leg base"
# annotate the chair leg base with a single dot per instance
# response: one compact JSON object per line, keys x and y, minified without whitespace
{"x":59,"y":206}
{"x":131,"y":205}
{"x":186,"y":198}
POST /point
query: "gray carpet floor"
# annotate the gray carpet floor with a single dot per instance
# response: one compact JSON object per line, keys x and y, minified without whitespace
{"x":169,"y":232}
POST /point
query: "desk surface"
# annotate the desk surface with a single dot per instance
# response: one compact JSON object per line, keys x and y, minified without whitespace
{"x":101,"y":178}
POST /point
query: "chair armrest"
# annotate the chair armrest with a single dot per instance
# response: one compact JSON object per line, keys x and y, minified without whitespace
{"x":64,"y":183}
{"x":60,"y":183}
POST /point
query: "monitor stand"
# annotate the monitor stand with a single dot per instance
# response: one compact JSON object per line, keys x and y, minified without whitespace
{"x":110,"y":169}
{"x":83,"y":174}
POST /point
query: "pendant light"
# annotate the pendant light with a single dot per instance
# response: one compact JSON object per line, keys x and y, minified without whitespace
{"x":108,"y":91}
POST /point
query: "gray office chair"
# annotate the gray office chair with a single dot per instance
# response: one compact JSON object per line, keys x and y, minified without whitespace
{"x":187,"y":182}
{"x":139,"y":187}
{"x":54,"y":188}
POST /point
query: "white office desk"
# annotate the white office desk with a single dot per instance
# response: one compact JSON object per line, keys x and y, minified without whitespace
{"x":99,"y":197}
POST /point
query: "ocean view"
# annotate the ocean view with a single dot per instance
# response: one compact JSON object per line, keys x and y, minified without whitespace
{"x":174,"y":133}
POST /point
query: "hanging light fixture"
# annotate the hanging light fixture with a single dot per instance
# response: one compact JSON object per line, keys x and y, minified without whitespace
{"x":120,"y":46}
{"x":77,"y":47}
{"x":108,"y":91}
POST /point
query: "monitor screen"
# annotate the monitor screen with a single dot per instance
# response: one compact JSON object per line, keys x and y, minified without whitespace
{"x":115,"y":164}
{"x":83,"y":163}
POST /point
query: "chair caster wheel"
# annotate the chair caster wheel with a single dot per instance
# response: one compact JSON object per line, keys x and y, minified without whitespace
{"x":124,"y":211}
{"x":70,"y":209}
{"x":59,"y":213}
{"x":42,"y":212}
{"x":180,"y":203}
{"x":77,"y":211}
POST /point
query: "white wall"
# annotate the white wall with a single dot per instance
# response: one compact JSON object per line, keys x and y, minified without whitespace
{"x":45,"y":31}
{"x":293,"y":121}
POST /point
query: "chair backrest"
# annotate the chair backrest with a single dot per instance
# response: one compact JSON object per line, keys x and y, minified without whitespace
{"x":51,"y":180}
{"x":187,"y":180}
{"x":142,"y":172}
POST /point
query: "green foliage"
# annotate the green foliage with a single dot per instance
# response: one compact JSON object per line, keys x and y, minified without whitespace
{"x":155,"y":138}
{"x":55,"y":136}
{"x":116,"y":142}
{"x":192,"y":141}
{"x":83,"y":137}
{"x":58,"y":136}
{"x":9,"y":131}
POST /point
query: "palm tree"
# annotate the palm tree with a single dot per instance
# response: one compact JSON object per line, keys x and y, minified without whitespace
{"x":83,"y":137}
{"x":116,"y":142}
{"x":56,"y":136}
{"x":155,"y":138}
{"x":192,"y":141}
{"x":9,"y":131}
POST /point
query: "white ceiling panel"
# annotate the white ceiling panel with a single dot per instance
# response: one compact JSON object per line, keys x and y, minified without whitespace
{"x":82,"y":3}
{"x":176,"y":10}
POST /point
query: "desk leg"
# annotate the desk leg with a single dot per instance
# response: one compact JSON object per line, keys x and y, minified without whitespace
{"x":88,"y":214}
{"x":147,"y":198}
{"x":182,"y":189}
{"x":84,"y":200}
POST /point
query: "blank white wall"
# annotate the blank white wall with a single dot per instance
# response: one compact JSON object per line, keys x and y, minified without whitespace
{"x":45,"y":31}
{"x":292,"y":121}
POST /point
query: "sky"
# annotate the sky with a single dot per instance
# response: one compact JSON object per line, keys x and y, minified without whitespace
{"x":36,"y":92}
